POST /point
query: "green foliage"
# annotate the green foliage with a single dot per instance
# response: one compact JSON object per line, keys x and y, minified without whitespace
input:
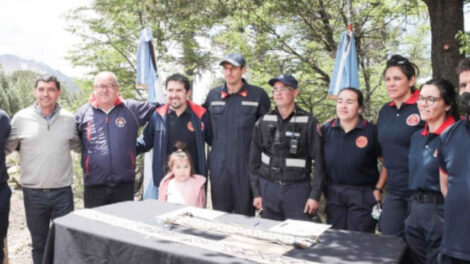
{"x":298,"y":37}
{"x":464,"y":40}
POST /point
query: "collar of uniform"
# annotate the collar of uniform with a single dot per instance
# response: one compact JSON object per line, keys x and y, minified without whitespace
{"x":412,"y":100}
{"x":297,"y":110}
{"x":186,"y":111}
{"x":94,"y":103}
{"x":243,"y":91}
{"x":361,"y":124}
{"x":447,"y":123}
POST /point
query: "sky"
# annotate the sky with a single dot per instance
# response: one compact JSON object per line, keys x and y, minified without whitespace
{"x":35,"y":29}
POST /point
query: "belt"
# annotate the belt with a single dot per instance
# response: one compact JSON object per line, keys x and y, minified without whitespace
{"x":47,"y":189}
{"x":429,"y":197}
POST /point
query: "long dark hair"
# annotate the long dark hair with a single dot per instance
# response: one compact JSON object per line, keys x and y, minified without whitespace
{"x":408,"y":68}
{"x":448,"y":94}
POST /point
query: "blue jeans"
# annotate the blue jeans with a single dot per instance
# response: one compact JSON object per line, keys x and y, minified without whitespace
{"x":42,"y":206}
{"x":5,"y":194}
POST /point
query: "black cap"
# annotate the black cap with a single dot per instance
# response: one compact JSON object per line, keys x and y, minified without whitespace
{"x":286,"y":79}
{"x":235,"y":59}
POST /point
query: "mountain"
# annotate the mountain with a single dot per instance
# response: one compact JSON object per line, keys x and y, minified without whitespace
{"x":11,"y":63}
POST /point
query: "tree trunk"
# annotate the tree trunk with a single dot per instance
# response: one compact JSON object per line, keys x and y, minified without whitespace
{"x":446,"y":20}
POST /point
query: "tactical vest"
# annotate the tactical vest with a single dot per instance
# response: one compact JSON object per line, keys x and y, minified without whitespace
{"x":285,"y":155}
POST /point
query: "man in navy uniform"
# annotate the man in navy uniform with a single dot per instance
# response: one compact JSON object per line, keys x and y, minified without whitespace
{"x":455,"y":179}
{"x":234,"y":108}
{"x":285,"y":144}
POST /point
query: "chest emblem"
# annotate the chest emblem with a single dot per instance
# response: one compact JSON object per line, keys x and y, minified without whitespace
{"x":121,"y":122}
{"x":435,"y":153}
{"x":361,"y":142}
{"x":412,"y":120}
{"x":190,"y":126}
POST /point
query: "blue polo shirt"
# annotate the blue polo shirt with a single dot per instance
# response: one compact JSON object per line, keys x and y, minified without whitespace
{"x":423,"y":158}
{"x":4,"y":132}
{"x":455,"y":161}
{"x":396,"y":126}
{"x":351,"y":158}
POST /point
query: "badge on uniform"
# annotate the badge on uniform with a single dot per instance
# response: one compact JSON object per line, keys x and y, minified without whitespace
{"x":120,"y":122}
{"x":361,"y":142}
{"x":412,"y":120}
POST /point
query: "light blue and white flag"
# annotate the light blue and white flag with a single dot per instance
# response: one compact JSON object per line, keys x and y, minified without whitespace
{"x":147,"y":78}
{"x":345,"y":71}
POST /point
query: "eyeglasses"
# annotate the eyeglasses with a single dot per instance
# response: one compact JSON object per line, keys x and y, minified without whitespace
{"x":281,"y":89}
{"x":104,"y":86}
{"x":428,"y":100}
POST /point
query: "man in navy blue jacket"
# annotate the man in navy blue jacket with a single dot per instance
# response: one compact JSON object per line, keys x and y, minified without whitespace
{"x":108,"y":126}
{"x":178,"y":120}
{"x":5,"y":192}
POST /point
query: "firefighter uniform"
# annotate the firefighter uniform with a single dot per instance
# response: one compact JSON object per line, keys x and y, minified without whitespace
{"x":233,"y":117}
{"x":281,"y":157}
{"x":423,"y":227}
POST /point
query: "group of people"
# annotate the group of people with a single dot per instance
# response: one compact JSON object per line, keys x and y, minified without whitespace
{"x":277,"y":161}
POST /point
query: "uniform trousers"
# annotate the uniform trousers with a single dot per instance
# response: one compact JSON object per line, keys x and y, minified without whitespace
{"x":284,"y":200}
{"x":349,"y":207}
{"x":423,"y":231}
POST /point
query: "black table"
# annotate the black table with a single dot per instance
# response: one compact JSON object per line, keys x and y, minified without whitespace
{"x":76,"y":239}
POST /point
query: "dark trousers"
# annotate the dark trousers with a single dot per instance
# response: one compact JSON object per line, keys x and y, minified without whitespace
{"x":446,"y":259}
{"x":394,"y":212}
{"x":423,"y":231}
{"x":282,"y":201}
{"x":5,"y":195}
{"x":231,"y":192}
{"x":349,"y":207}
{"x":42,"y":206}
{"x":99,"y":195}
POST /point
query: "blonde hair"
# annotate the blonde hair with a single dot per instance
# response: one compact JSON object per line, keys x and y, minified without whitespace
{"x":180,"y":153}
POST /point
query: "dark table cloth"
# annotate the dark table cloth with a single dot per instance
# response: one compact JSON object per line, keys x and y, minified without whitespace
{"x":76,"y":239}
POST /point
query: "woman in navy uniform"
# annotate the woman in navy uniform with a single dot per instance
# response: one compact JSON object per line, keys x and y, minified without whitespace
{"x":351,"y":151}
{"x":397,"y":121}
{"x":423,"y":227}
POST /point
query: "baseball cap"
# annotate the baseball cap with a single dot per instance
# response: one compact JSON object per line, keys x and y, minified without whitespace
{"x":235,"y":59}
{"x":286,"y":79}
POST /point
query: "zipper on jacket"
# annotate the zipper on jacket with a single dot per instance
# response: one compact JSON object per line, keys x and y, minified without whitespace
{"x":87,"y":164}
{"x":109,"y":146}
{"x":88,"y":130}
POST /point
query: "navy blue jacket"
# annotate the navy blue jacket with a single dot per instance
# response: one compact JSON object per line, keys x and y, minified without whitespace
{"x":156,"y":136}
{"x":4,"y":131}
{"x":109,"y":140}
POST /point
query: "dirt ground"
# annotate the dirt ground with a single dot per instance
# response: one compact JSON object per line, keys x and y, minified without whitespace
{"x":19,"y":240}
